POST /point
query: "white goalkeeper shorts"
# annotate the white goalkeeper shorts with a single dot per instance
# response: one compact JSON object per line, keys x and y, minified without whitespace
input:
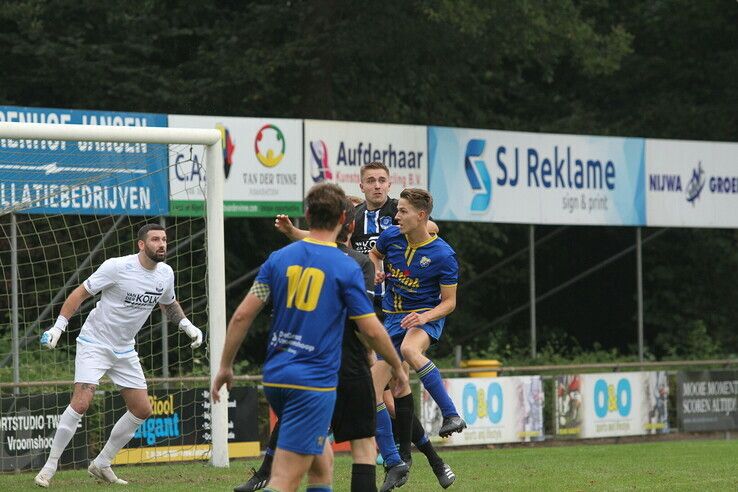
{"x":94,"y":361}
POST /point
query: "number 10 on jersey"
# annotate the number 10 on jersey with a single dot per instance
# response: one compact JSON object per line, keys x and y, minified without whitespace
{"x":303,"y":288}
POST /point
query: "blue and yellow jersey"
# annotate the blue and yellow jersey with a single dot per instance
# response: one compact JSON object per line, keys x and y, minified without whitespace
{"x":314,"y":286}
{"x":415,"y":272}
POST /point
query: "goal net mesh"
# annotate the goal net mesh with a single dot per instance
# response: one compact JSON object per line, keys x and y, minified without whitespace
{"x":71,"y":206}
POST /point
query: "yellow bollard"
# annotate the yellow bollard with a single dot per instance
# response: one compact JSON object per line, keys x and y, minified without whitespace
{"x":482,"y":364}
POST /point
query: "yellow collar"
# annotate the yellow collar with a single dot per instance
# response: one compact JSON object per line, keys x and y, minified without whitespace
{"x":422,"y":243}
{"x":318,"y":241}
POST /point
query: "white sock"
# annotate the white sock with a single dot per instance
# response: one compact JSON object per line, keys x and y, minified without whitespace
{"x":64,"y":433}
{"x":122,"y":432}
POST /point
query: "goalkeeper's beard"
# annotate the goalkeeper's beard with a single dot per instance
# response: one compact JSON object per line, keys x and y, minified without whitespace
{"x":155,"y":256}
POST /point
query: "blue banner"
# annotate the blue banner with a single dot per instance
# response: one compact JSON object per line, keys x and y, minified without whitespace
{"x":536,"y":178}
{"x":89,"y":178}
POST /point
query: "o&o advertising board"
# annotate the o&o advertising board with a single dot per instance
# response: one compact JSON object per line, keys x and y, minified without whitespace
{"x":612,"y":404}
{"x":496,"y":410}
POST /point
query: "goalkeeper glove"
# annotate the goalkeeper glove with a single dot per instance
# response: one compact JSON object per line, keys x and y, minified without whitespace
{"x":192,"y":331}
{"x":50,"y":337}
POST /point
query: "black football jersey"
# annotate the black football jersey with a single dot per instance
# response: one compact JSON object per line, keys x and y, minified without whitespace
{"x":353,"y":353}
{"x":370,"y":223}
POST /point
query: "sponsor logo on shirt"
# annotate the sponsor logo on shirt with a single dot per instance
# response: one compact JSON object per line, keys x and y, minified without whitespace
{"x":145,"y":300}
{"x":403,"y":277}
{"x":366,"y":245}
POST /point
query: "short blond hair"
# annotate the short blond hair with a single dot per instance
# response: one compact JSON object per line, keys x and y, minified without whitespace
{"x":420,"y":199}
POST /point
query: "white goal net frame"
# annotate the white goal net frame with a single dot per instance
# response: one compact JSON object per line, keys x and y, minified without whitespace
{"x":216,"y":288}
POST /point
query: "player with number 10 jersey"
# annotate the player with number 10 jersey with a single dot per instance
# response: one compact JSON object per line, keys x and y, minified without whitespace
{"x":299,"y":353}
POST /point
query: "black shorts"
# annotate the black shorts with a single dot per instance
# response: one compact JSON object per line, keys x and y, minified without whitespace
{"x":354,"y":416}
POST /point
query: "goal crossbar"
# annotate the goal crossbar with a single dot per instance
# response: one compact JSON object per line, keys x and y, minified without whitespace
{"x":97,"y":133}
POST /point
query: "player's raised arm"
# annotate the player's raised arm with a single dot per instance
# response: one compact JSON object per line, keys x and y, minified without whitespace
{"x":284,"y":225}
{"x":237,"y":329}
{"x":176,"y":316}
{"x":50,"y":337}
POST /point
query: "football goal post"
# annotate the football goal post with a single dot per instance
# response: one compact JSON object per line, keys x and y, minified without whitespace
{"x":72,"y":196}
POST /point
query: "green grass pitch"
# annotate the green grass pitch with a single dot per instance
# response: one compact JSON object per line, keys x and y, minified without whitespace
{"x":674,"y":465}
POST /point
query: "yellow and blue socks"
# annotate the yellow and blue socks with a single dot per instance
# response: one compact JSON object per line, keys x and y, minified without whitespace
{"x":385,"y":440}
{"x":430,"y":376}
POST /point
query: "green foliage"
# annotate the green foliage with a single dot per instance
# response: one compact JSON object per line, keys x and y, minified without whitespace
{"x":639,"y":68}
{"x":688,"y":342}
{"x":565,"y":350}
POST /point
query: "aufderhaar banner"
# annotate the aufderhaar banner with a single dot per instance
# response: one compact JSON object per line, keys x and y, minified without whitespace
{"x":608,"y":405}
{"x":496,"y":410}
{"x":536,"y":178}
{"x":336,"y":150}
{"x":691,"y":184}
{"x":262,"y":160}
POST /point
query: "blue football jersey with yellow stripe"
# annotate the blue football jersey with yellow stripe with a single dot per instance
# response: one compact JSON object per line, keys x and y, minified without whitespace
{"x":415,"y":272}
{"x":314,"y":286}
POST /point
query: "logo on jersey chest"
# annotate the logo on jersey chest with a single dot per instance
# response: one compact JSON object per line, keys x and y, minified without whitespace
{"x":403,"y":277}
{"x":142,"y":300}
{"x":364,"y":246}
{"x":385,"y":222}
{"x":425,"y":261}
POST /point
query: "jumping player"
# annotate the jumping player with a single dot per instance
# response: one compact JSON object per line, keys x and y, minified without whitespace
{"x":422,"y":274}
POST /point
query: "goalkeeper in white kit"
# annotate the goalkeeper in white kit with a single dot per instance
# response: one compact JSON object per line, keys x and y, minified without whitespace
{"x":131,"y":287}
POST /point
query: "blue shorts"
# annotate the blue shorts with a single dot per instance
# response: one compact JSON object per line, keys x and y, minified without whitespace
{"x":304,"y":417}
{"x":397,"y":332}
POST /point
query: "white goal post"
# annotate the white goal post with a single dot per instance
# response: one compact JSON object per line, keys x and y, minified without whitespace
{"x":216,"y":293}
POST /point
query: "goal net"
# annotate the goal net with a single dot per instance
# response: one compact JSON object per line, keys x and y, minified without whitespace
{"x":71,"y":197}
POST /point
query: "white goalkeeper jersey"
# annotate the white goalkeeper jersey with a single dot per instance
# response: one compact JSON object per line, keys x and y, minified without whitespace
{"x":129,"y":293}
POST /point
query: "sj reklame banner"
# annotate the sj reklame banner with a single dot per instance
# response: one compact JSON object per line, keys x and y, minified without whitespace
{"x":536,"y":178}
{"x":179,"y":428}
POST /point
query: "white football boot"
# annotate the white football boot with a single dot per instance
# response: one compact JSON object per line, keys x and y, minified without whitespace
{"x":104,"y":474}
